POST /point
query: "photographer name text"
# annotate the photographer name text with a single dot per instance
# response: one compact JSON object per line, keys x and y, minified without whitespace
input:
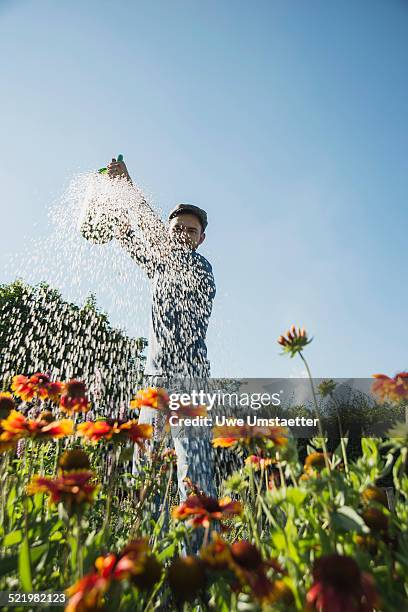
{"x":251,"y":420}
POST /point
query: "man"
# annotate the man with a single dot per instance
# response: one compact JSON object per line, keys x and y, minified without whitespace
{"x":183,"y":290}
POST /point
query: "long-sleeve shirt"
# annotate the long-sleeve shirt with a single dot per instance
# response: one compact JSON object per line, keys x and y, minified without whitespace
{"x":183,"y":290}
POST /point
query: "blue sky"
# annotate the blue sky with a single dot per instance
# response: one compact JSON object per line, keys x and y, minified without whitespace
{"x":286,"y":120}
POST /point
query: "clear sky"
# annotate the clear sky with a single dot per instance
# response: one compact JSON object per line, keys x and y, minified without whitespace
{"x":286,"y":120}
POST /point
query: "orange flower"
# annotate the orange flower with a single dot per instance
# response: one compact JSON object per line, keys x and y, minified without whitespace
{"x":94,"y":431}
{"x":73,"y":488}
{"x":37,"y":385}
{"x":294,"y":341}
{"x":391,"y":389}
{"x":314,"y":464}
{"x":152,"y":396}
{"x":17,"y":426}
{"x":135,"y":563}
{"x":56,"y":429}
{"x":115,"y":430}
{"x":135,"y":432}
{"x":315,"y":460}
{"x":86,"y":595}
{"x":74,"y":397}
{"x":200,"y":510}
{"x":29,"y":387}
{"x":227,"y":436}
{"x":14,"y":427}
{"x":217,"y":554}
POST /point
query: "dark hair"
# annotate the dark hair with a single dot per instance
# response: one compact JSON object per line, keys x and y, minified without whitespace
{"x":181,"y":209}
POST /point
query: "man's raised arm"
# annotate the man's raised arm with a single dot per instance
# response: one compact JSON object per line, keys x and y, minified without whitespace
{"x":155,"y":235}
{"x":137,"y":249}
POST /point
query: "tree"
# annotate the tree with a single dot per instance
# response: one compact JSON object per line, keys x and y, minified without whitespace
{"x":39,"y":331}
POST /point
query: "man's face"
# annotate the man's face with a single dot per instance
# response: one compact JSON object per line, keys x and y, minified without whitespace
{"x":186,"y":229}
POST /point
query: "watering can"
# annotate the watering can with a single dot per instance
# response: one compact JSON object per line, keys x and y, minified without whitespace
{"x":97,"y":222}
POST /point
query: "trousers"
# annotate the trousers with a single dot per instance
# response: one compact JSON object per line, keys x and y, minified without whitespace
{"x":191,"y":444}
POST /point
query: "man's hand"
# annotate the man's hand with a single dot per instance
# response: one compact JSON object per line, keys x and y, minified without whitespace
{"x":118,"y":169}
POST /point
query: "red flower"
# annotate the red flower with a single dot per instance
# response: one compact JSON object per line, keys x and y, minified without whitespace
{"x":44,"y":429}
{"x":86,"y":595}
{"x":392,"y":389}
{"x":340,"y":586}
{"x":245,"y":562}
{"x":17,"y":426}
{"x":73,"y":488}
{"x":54,"y":390}
{"x":29,"y":387}
{"x":74,"y":397}
{"x":135,"y":563}
{"x":294,"y":341}
{"x":37,"y":385}
{"x":249,"y":567}
{"x":115,"y":430}
{"x":145,"y":569}
{"x":94,"y":431}
{"x":201,"y":510}
{"x":258,"y":462}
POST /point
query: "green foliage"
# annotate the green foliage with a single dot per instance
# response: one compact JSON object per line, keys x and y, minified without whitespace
{"x":306,"y":516}
{"x":39,"y":331}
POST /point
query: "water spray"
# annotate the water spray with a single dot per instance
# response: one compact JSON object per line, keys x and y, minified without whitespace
{"x":99,"y":215}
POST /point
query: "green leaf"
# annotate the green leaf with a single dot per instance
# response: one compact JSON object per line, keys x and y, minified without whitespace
{"x":295,"y":496}
{"x":370,"y":450}
{"x":168,"y":552}
{"x":56,"y":536}
{"x":38,"y":501}
{"x":24,"y":566}
{"x":347,"y":519}
{"x":279,"y":541}
{"x":73,"y":542}
{"x":12,"y":538}
{"x":10,"y":564}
